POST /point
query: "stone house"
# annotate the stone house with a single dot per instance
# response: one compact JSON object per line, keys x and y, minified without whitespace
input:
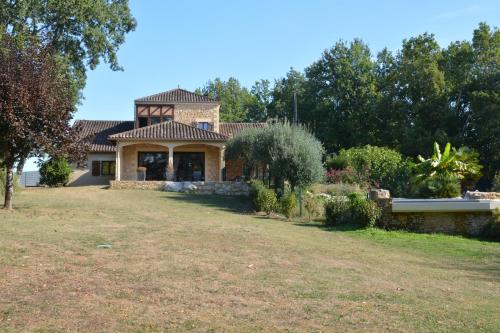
{"x":175,"y":135}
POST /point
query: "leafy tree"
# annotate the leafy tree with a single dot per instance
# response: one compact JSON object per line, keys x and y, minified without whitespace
{"x":81,"y":32}
{"x":281,"y":106}
{"x":292,"y":153}
{"x":36,"y":106}
{"x":55,"y":172}
{"x":262,"y":93}
{"x":236,"y":101}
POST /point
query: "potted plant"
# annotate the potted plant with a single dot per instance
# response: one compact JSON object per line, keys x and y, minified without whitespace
{"x":141,"y":173}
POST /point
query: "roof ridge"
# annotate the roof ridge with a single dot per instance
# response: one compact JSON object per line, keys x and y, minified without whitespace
{"x":102,"y":120}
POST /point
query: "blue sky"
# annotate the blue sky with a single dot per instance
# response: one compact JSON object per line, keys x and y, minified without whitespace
{"x":186,"y":43}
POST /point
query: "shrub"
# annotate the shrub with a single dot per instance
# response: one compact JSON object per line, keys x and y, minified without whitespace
{"x":371,"y":166}
{"x":264,"y":199}
{"x":443,"y":170}
{"x":336,"y":211}
{"x":55,"y":172}
{"x":288,"y":204}
{"x":438,"y":186}
{"x":314,"y":205}
{"x":364,"y":212}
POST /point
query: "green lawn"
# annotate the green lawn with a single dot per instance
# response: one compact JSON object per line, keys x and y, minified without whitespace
{"x":198,"y":263}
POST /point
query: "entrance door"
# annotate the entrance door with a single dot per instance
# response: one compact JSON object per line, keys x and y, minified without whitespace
{"x":189,"y":166}
{"x":155,"y":164}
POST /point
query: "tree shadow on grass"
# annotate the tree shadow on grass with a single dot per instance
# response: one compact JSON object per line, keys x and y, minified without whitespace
{"x":233,"y":204}
{"x":319,"y":225}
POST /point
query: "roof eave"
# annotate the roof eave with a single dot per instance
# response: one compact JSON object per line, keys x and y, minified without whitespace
{"x":138,"y":101}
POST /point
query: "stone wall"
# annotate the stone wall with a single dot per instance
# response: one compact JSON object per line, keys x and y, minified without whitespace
{"x":209,"y":187}
{"x":457,"y":223}
{"x":189,"y":113}
{"x":136,"y":185}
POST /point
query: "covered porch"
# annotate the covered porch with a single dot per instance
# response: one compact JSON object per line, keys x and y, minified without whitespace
{"x":172,"y":161}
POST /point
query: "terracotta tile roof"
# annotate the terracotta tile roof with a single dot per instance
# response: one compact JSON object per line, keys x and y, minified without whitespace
{"x":231,"y":129}
{"x":97,"y":131}
{"x":170,"y":130}
{"x":176,"y":96}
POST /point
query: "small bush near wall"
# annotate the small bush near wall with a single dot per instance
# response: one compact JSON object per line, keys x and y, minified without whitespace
{"x":264,"y":199}
{"x":354,"y":209}
{"x":288,"y":204}
{"x":337,"y":211}
{"x":55,"y":172}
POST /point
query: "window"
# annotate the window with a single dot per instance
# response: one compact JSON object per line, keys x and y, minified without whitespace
{"x":203,"y":125}
{"x":108,"y":168}
{"x":155,"y":120}
{"x":167,"y":118}
{"x":143,"y":121}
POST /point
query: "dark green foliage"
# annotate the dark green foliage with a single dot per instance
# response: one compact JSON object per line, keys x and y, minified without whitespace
{"x":55,"y":172}
{"x":406,"y":100}
{"x":439,"y":186}
{"x":492,"y":229}
{"x":445,"y":173}
{"x":371,"y":166}
{"x":363,"y":212}
{"x":288,"y":204}
{"x":337,"y":211}
{"x":355,"y":209}
{"x":337,"y":162}
{"x":264,"y":199}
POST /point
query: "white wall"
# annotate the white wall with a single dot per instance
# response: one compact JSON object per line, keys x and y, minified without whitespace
{"x":83,"y":176}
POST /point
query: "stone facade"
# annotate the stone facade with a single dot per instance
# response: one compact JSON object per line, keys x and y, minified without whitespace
{"x":189,"y":113}
{"x":459,"y":223}
{"x":130,"y":158}
{"x":209,"y":187}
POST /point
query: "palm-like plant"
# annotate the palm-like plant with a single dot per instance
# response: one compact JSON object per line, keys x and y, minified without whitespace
{"x":443,"y":169}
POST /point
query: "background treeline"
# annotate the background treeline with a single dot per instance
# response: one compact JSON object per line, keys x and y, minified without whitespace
{"x":404,"y":100}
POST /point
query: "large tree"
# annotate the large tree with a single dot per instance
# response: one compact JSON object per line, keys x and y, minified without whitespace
{"x":82,"y":32}
{"x":236,"y":101}
{"x":36,"y":105}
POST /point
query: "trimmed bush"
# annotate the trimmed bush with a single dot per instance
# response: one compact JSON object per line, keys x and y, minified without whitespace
{"x":55,"y":172}
{"x":288,"y":204}
{"x":264,"y":199}
{"x":336,"y":162}
{"x":364,"y":212}
{"x":354,"y":209}
{"x":336,"y":211}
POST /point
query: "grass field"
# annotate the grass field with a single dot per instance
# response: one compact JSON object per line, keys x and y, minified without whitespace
{"x":197,"y":263}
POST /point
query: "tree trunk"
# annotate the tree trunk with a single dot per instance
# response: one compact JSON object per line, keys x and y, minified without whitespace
{"x":9,"y":187}
{"x":20,"y":166}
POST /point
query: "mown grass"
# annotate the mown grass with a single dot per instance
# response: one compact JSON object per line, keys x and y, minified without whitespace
{"x":196,"y":263}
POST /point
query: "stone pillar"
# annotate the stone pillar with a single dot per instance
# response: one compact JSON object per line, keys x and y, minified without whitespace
{"x":383,"y":199}
{"x":170,"y":164}
{"x":118,"y":165}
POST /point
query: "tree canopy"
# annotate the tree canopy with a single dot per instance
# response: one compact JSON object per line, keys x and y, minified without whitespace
{"x":405,"y":100}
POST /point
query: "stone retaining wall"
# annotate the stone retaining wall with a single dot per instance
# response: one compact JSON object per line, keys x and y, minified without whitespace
{"x":457,"y":223}
{"x":219,"y":188}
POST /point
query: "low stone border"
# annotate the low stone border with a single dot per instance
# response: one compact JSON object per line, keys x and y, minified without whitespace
{"x":220,"y":188}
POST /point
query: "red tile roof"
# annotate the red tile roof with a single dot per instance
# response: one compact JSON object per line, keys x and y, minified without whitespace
{"x":231,"y":129}
{"x":97,"y":132}
{"x":170,"y":130}
{"x":176,"y":96}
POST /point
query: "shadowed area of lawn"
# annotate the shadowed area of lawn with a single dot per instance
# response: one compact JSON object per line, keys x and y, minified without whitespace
{"x":198,"y":263}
